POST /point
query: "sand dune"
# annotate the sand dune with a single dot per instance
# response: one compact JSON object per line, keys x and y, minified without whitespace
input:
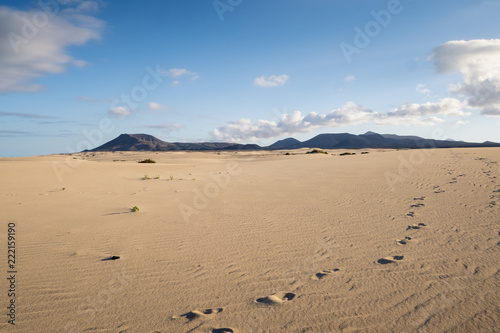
{"x":391,"y":241}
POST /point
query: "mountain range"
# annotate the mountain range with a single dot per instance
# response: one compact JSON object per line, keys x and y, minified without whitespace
{"x":145,"y":142}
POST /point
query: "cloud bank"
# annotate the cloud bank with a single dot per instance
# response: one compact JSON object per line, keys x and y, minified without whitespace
{"x":34,"y":43}
{"x":349,"y":114}
{"x":478,"y":61}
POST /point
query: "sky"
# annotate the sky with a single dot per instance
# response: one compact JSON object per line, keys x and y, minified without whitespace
{"x":75,"y":74}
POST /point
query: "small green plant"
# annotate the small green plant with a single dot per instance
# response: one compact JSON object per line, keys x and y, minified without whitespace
{"x":316,"y":151}
{"x":365,"y":152}
{"x":147,"y":161}
{"x":64,"y":188}
{"x":146,"y":177}
{"x":171,"y":177}
{"x":157,"y":177}
{"x":135,"y":209}
{"x":347,"y":154}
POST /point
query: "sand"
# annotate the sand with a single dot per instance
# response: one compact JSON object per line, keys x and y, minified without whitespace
{"x":390,"y":241}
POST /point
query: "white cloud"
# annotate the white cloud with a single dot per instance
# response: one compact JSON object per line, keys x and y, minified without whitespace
{"x":167,"y":127}
{"x":427,"y":114}
{"x":461,"y":122}
{"x":446,"y":107}
{"x":120,"y":111}
{"x":178,"y":72}
{"x":350,"y":78}
{"x":175,"y":72}
{"x":82,"y":7}
{"x":36,"y":42}
{"x":80,"y":63}
{"x":478,"y":62}
{"x":271,"y":81}
{"x":156,"y":106}
{"x":422,"y":89}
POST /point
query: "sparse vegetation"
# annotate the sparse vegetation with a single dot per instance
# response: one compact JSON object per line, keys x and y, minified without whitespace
{"x":365,"y":152}
{"x":64,"y":188}
{"x":148,"y":160}
{"x":135,"y":209}
{"x":347,"y":154}
{"x":157,"y":177}
{"x":146,"y":177}
{"x":287,"y":154}
{"x":317,"y":151}
{"x":171,"y":177}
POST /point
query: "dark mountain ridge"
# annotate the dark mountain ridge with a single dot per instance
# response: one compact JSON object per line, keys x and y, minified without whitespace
{"x":145,"y":142}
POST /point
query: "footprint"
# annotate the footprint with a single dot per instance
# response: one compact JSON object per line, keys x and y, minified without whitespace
{"x":417,"y":205}
{"x":195,"y":314}
{"x":274,"y":299}
{"x":225,"y":330}
{"x":322,"y":274}
{"x":421,"y":198}
{"x":403,"y":241}
{"x":416,"y":226}
{"x":412,"y":214}
{"x":389,"y":260}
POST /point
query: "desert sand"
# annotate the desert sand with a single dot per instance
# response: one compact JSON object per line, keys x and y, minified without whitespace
{"x":390,"y":241}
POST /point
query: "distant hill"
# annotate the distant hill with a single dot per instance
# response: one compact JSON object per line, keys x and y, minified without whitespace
{"x":145,"y":142}
{"x":286,"y":144}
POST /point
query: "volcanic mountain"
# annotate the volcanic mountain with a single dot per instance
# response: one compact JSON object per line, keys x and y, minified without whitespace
{"x":145,"y":142}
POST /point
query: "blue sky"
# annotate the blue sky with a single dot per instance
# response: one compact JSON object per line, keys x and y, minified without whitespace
{"x":245,"y":71}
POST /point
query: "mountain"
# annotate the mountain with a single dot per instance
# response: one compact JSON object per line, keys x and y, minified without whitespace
{"x":145,"y":142}
{"x":398,"y":137}
{"x":288,"y":143}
